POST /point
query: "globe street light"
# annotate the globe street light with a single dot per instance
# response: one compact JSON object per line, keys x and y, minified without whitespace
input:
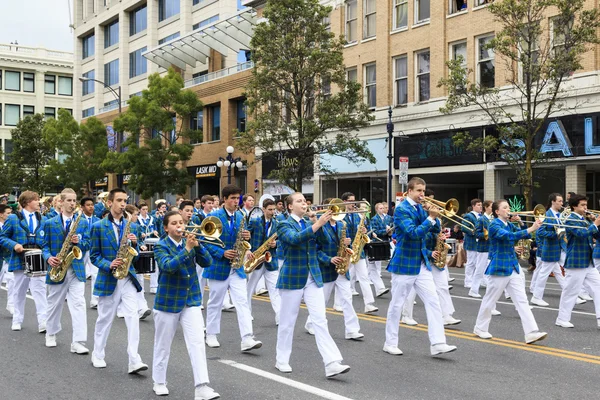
{"x":230,"y":162}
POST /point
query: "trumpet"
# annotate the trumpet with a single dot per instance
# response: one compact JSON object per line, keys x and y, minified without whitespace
{"x":208,"y":232}
{"x":338,"y":208}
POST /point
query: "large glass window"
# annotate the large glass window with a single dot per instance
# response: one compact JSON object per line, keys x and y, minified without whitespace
{"x":351,"y":20}
{"x":88,"y":86}
{"x":486,"y":69}
{"x":49,"y":112}
{"x":138,"y":20}
{"x":197,"y":124}
{"x":241,"y":115}
{"x":422,"y":11}
{"x":457,"y":6}
{"x":8,"y":149}
{"x":0,"y":79}
{"x":167,"y":38}
{"x":65,"y":86}
{"x":88,"y":46}
{"x":12,"y":114}
{"x":111,"y":34}
{"x":88,"y":112}
{"x":50,"y":84}
{"x":12,"y":80}
{"x":352,"y":75}
{"x":28,"y":82}
{"x":401,"y":80}
{"x":400,"y":14}
{"x":111,"y":72}
{"x":215,"y":133}
{"x":371,"y":85}
{"x":167,"y":9}
{"x":137,"y":63}
{"x":28,"y":111}
{"x":206,"y":22}
{"x":369,"y":19}
{"x":423,"y":68}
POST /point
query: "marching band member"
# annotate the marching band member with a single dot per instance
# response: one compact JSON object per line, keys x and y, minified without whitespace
{"x":410,"y":268}
{"x":53,"y":210}
{"x":359,"y":269}
{"x":504,"y":274}
{"x":470,"y":242}
{"x":482,"y":226}
{"x":300,"y":277}
{"x":9,"y":277}
{"x":146,"y":221}
{"x":87,"y":207}
{"x":22,"y":231}
{"x":206,"y":203}
{"x":100,"y":207}
{"x":72,"y":287}
{"x":221,"y":276}
{"x":178,"y":257}
{"x":248,"y":205}
{"x":381,"y":224}
{"x":161,"y":209}
{"x":105,"y":242}
{"x":579,"y":266}
{"x":197,"y":205}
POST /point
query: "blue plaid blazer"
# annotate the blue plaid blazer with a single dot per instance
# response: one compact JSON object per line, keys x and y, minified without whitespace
{"x":258,"y":237}
{"x":410,"y":228}
{"x":99,"y":209}
{"x":15,"y":231}
{"x":483,"y":246}
{"x":503,"y":238}
{"x":353,"y":220}
{"x":579,"y":242}
{"x":147,"y":225}
{"x":280,"y":245}
{"x":53,"y":241}
{"x":104,"y":246}
{"x":221,"y":266}
{"x":178,"y":285}
{"x":300,"y":255}
{"x":548,"y":241}
{"x":378,"y":226}
{"x":328,"y":241}
{"x":470,"y":242}
{"x":51,"y":214}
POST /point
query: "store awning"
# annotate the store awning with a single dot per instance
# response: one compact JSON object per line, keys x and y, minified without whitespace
{"x":230,"y":34}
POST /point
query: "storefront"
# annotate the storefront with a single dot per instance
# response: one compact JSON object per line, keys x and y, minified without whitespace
{"x":279,"y":160}
{"x":207,"y":180}
{"x":101,"y":185}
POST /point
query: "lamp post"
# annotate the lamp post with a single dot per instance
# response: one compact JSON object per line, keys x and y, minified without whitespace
{"x":230,"y":162}
{"x":117,"y":94}
{"x":390,"y":131}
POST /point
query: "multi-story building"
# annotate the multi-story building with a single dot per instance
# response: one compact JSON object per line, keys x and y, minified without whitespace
{"x":32,"y":81}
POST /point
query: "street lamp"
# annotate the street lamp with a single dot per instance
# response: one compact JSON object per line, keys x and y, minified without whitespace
{"x":83,"y":79}
{"x":230,"y":162}
{"x":390,"y":131}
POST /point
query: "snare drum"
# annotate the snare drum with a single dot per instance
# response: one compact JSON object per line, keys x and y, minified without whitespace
{"x":145,"y":263}
{"x":34,"y":264}
{"x":378,"y":251}
{"x":150,"y":243}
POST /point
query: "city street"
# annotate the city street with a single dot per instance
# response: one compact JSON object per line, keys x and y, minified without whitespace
{"x":564,"y":366}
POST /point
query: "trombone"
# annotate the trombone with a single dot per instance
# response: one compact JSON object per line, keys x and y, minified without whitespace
{"x":338,"y":208}
{"x":539,"y":213}
{"x":449,"y":211}
{"x":209,"y":231}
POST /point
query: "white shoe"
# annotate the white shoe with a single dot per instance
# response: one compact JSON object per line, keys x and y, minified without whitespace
{"x":450,"y":320}
{"x":451,"y":279}
{"x":160,"y":389}
{"x":441,"y":348}
{"x":97,"y":363}
{"x":211,"y":341}
{"x":354,"y":336}
{"x":285,"y":368}
{"x":370,"y":308}
{"x":599,"y":324}
{"x":450,"y":287}
{"x":586,"y":296}
{"x":228,"y":307}
{"x":539,"y":302}
{"x":135,"y":368}
{"x":336,"y":368}
{"x":355,"y":293}
{"x":119,"y":315}
{"x":50,"y":340}
{"x":507,"y":297}
{"x":580,"y":301}
{"x":533,"y":337}
{"x":393,"y":350}
{"x":152,"y":290}
{"x":205,"y":393}
{"x":249,"y":343}
{"x":78,"y":348}
{"x":261,"y":292}
{"x":94,"y":304}
{"x":408,"y":321}
{"x":309,"y":329}
{"x":496,"y":312}
{"x":10,"y":309}
{"x":381,"y":292}
{"x":16,"y":327}
{"x":482,"y":334}
{"x":145,"y":313}
{"x":338,"y":308}
{"x":202,"y":306}
{"x":42,"y":327}
{"x":474,"y":295}
{"x":564,"y":324}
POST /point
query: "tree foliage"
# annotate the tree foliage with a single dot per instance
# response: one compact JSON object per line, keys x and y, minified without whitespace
{"x":157,"y":141}
{"x":538,"y":62}
{"x":291,"y":96}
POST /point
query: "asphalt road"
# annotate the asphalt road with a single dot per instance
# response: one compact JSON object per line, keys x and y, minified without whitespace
{"x":565,"y":366}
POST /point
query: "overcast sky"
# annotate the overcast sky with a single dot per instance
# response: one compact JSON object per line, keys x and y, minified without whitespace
{"x":43,"y":23}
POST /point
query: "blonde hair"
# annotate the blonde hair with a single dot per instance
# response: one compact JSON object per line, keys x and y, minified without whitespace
{"x":65,"y":192}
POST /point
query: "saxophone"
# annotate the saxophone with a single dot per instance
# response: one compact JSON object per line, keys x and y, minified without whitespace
{"x":344,"y":252}
{"x":442,"y":248}
{"x":67,"y":254}
{"x":240,"y":247}
{"x":261,"y":255}
{"x":126,"y":252}
{"x":360,"y":239}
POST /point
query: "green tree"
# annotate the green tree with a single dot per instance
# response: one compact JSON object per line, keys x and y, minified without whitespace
{"x":7,"y":182}
{"x":157,"y":140}
{"x":539,"y":55}
{"x":297,"y":63}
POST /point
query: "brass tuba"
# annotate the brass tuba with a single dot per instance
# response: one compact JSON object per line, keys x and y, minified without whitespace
{"x":67,"y":254}
{"x":126,"y":252}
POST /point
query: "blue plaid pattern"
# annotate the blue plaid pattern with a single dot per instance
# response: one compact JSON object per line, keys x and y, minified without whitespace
{"x":431,"y":239}
{"x":221,"y":266}
{"x":53,"y":241}
{"x":353,"y":220}
{"x":15,"y":232}
{"x":178,"y":285}
{"x":51,"y":214}
{"x":103,"y":250}
{"x":280,"y":245}
{"x":547,"y":240}
{"x":470,"y":242}
{"x":503,"y":238}
{"x":257,"y":238}
{"x":148,"y":225}
{"x":300,"y":255}
{"x":579,"y":242}
{"x":328,"y":241}
{"x":483,"y":246}
{"x":378,"y":225}
{"x":99,"y":209}
{"x":410,"y":228}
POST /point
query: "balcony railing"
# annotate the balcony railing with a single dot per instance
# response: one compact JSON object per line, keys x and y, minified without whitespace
{"x":219,"y":74}
{"x":38,"y":52}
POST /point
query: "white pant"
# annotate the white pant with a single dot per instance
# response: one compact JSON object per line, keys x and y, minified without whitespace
{"x":239,"y":296}
{"x":203,"y":281}
{"x":597,"y":263}
{"x":94,"y":273}
{"x":546,"y":268}
{"x":440,"y":279}
{"x":361,"y":274}
{"x":260,"y":285}
{"x":126,"y":293}
{"x":315,"y":302}
{"x":536,"y":272}
{"x":270,"y":277}
{"x":345,"y":293}
{"x":425,"y":288}
{"x":165,"y":325}
{"x":480,"y":267}
{"x":142,"y":304}
{"x":470,"y":267}
{"x":10,"y":283}
{"x":516,"y":289}
{"x":374,"y":268}
{"x":154,"y":278}
{"x":575,"y":279}
{"x":74,"y":291}
{"x":37,"y":286}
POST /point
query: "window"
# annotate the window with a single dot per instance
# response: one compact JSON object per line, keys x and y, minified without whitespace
{"x":400,"y":14}
{"x":88,"y":46}
{"x":0,"y":114}
{"x":460,"y":49}
{"x":28,"y":111}
{"x":137,"y":63}
{"x":111,"y":72}
{"x":559,"y":32}
{"x":206,"y":22}
{"x":167,"y":38}
{"x":457,"y":6}
{"x":111,"y":34}
{"x":241,"y":115}
{"x":69,"y":110}
{"x":65,"y":86}
{"x":138,"y":20}
{"x":423,"y":75}
{"x":352,"y":75}
{"x":12,"y":114}
{"x":0,"y":80}
{"x":50,"y":84}
{"x":215,"y":133}
{"x":326,"y":87}
{"x":370,"y":19}
{"x":49,"y":112}
{"x":8,"y":149}
{"x":88,"y":86}
{"x":401,"y":80}
{"x":371,"y":85}
{"x":327,"y":23}
{"x":351,"y":20}
{"x":422,"y":11}
{"x":482,"y":2}
{"x":197,"y":124}
{"x":12,"y":80}
{"x":530,"y":53}
{"x":167,"y":9}
{"x":28,"y":82}
{"x":485,"y":63}
{"x":88,"y":112}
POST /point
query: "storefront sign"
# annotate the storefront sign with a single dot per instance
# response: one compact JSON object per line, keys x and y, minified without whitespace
{"x":126,"y":179}
{"x":102,"y":182}
{"x":277,"y":160}
{"x":204,"y":171}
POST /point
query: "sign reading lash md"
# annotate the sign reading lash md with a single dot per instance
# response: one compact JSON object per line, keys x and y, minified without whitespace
{"x":204,"y":171}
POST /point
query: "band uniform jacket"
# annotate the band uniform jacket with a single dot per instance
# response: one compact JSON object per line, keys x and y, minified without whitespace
{"x":178,"y":285}
{"x":483,"y":245}
{"x":503,"y":260}
{"x":470,"y":242}
{"x":353,"y":220}
{"x":300,"y":255}
{"x":54,"y":238}
{"x":431,"y":242}
{"x":548,"y":241}
{"x":579,"y":242}
{"x":328,"y":241}
{"x":221,"y":266}
{"x":15,"y":231}
{"x":378,"y":226}
{"x":104,"y":246}
{"x":258,"y":237}
{"x":99,"y":208}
